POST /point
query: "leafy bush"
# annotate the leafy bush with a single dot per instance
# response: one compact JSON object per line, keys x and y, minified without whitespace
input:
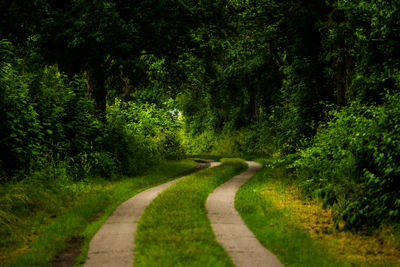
{"x":254,"y":140}
{"x":44,"y":117}
{"x":140,"y":134}
{"x":353,"y":163}
{"x":21,"y":132}
{"x":369,"y":32}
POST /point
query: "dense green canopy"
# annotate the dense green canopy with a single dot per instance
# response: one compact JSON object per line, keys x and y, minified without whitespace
{"x":105,"y":87}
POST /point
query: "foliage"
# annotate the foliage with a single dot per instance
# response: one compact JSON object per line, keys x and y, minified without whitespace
{"x":44,"y":116}
{"x":21,"y":130}
{"x":248,"y":77}
{"x":266,"y":77}
{"x":255,"y":140}
{"x":154,"y":128}
{"x":371,"y":40}
{"x":48,"y":119}
{"x":353,"y":163}
{"x":104,"y":39}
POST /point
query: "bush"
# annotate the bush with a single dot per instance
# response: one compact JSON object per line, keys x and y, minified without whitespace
{"x":254,"y":140}
{"x":21,"y":132}
{"x":141,"y":134}
{"x":44,"y":117}
{"x":353,"y":163}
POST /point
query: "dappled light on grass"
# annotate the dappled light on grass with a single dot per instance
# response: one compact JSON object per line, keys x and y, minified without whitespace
{"x":300,"y":232}
{"x":308,"y":215}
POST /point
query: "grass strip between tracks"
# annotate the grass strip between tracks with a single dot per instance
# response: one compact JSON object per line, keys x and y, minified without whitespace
{"x":174,"y":229}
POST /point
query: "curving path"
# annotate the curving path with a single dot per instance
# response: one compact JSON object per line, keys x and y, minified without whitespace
{"x":230,"y":230}
{"x":113,"y":244}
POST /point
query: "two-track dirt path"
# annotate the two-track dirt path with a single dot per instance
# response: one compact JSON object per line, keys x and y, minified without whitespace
{"x":230,"y":230}
{"x":113,"y":244}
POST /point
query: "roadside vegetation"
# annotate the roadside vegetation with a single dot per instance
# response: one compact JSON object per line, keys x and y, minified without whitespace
{"x":174,"y":229}
{"x":61,"y":163}
{"x":56,"y":215}
{"x":299,"y":230}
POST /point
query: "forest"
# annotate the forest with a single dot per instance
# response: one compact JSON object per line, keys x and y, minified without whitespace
{"x":95,"y":92}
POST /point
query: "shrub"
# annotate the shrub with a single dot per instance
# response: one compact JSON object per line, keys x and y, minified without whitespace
{"x":255,"y":140}
{"x":44,"y":116}
{"x":21,"y":132}
{"x":353,"y":163}
{"x":140,"y":134}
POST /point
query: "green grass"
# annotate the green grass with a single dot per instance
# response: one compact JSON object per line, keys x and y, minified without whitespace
{"x":273,"y":229}
{"x":174,"y":229}
{"x":93,"y":201}
{"x":270,"y":205}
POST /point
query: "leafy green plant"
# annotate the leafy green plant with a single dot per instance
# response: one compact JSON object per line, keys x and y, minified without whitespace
{"x":21,"y":132}
{"x":154,"y":129}
{"x":352,"y":163}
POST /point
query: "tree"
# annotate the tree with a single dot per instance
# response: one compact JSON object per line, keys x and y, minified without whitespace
{"x":98,"y":37}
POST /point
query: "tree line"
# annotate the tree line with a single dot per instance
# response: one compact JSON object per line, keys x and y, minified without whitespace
{"x":97,"y":87}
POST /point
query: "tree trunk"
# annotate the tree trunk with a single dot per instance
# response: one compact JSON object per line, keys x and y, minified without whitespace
{"x":340,"y":83}
{"x":252,"y":104}
{"x":96,"y":87}
{"x":343,"y":78}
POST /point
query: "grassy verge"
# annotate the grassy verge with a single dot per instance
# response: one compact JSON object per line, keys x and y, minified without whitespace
{"x":299,"y":231}
{"x":75,"y":211}
{"x":174,"y":229}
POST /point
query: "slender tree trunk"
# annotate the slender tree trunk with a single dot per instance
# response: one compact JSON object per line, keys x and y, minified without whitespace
{"x":274,"y":54}
{"x":343,"y":78}
{"x":340,"y":83}
{"x":343,"y":63}
{"x":253,"y":104}
{"x":96,"y":87}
